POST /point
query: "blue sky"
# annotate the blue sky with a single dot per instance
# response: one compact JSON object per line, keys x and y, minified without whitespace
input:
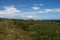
{"x":26,"y":9}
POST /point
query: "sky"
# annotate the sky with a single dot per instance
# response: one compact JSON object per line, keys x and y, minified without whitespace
{"x":30,"y":9}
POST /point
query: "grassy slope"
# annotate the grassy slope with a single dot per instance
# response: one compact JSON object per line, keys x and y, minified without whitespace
{"x":11,"y":29}
{"x":8,"y":31}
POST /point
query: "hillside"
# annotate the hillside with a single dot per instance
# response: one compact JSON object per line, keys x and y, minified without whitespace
{"x":17,"y":29}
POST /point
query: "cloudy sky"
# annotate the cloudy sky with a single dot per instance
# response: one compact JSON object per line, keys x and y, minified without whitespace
{"x":26,"y":9}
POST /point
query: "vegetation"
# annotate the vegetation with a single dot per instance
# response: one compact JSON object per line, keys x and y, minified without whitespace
{"x":15,"y":29}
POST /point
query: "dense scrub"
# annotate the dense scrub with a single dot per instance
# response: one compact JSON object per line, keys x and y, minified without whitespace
{"x":15,"y":29}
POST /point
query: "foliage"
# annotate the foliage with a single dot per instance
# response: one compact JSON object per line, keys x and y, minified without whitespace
{"x":30,"y":29}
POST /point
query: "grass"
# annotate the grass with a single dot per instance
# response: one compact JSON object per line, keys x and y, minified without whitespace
{"x":15,"y":29}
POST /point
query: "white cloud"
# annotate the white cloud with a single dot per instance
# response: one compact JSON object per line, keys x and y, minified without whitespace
{"x":33,"y":13}
{"x":29,"y":16}
{"x":12,"y":12}
{"x":35,"y":8}
{"x":41,"y":4}
{"x":9,"y":11}
{"x":38,"y":4}
{"x":54,"y":10}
